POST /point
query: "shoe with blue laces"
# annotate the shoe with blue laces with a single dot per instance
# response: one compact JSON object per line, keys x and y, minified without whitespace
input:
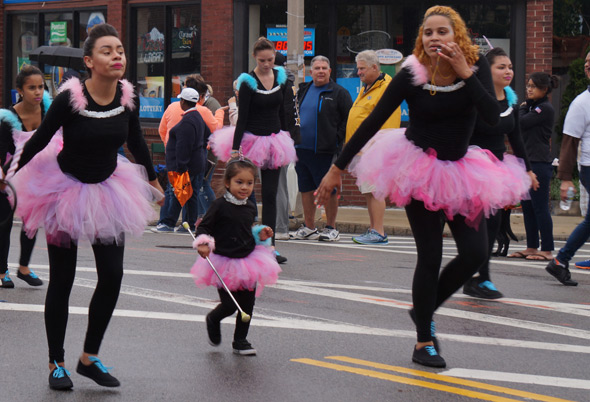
{"x":31,"y":278}
{"x":482,"y":290}
{"x":97,"y":372}
{"x":59,"y":378}
{"x":432,"y":330}
{"x":428,"y":356}
{"x":371,"y":236}
{"x":6,"y":282}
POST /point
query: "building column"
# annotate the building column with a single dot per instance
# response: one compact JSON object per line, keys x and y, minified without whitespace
{"x":539,"y":36}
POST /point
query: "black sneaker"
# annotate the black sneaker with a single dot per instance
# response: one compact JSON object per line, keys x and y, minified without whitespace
{"x":280,"y":258}
{"x":428,"y":356}
{"x":6,"y":282}
{"x":243,"y":347}
{"x":483,"y":290}
{"x":214,"y":331}
{"x":32,"y":279}
{"x":97,"y":372}
{"x":560,"y":272}
{"x":59,"y":379}
{"x":433,"y":337}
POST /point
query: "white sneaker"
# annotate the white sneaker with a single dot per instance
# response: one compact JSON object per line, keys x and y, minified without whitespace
{"x":329,"y":235}
{"x":282,"y":236}
{"x":304,"y":233}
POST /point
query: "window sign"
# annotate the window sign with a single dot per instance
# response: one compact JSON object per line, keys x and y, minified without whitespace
{"x":150,"y":48}
{"x":58,"y":32}
{"x":151,"y":97}
{"x":278,"y":35}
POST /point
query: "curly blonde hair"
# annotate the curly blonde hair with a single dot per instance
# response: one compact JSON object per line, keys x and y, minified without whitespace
{"x":462,"y":38}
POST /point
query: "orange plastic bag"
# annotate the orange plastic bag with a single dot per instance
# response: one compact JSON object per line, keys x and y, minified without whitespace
{"x":181,"y":183}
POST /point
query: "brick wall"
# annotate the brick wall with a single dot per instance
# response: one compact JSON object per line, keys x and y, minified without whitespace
{"x":116,"y":16}
{"x":539,"y":36}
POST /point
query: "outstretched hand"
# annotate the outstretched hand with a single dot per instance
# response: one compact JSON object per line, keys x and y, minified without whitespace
{"x":332,"y":179}
{"x":452,"y":54}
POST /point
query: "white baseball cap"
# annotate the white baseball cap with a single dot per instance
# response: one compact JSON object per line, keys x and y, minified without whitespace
{"x":189,"y":94}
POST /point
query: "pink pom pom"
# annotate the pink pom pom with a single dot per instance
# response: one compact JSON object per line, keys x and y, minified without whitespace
{"x":204,"y":239}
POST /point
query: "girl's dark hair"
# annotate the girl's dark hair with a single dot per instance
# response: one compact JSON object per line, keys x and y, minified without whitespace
{"x":262,"y":44}
{"x":25,"y":73}
{"x":235,"y":166}
{"x":493,"y":53}
{"x":544,"y":81}
{"x":98,"y":31}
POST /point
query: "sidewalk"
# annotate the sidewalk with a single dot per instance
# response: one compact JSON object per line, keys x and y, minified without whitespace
{"x":356,"y":220}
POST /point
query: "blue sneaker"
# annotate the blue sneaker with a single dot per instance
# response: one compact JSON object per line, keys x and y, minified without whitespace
{"x":6,"y":282}
{"x":371,"y":237}
{"x":583,"y":264}
{"x":163,"y":228}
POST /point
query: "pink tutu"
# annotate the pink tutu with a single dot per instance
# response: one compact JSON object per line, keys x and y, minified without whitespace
{"x":266,"y":152}
{"x":476,"y":183}
{"x":258,"y":269}
{"x":70,"y":210}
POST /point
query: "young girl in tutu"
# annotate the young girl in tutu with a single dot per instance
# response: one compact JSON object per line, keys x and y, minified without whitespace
{"x":261,"y":130}
{"x":236,"y":250}
{"x":17,"y":125}
{"x":431,"y":169}
{"x":88,"y":192}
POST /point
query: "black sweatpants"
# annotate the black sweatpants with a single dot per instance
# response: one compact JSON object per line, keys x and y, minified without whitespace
{"x":429,"y":290}
{"x":62,"y":271}
{"x":246,"y":300}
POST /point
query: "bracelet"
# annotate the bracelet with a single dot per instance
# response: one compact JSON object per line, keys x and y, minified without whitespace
{"x":234,"y":152}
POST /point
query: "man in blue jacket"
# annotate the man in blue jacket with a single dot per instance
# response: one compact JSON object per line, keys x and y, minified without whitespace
{"x":323,"y":112}
{"x":186,"y":151}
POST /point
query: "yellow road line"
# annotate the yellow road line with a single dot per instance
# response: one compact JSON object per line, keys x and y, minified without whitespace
{"x":405,"y":380}
{"x":452,"y":380}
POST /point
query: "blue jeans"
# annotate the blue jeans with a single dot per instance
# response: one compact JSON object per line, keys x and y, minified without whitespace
{"x":169,"y":213}
{"x":206,"y":195}
{"x":537,"y":217}
{"x":582,"y":232}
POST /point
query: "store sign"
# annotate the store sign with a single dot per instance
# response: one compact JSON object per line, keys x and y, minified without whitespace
{"x":278,"y":35}
{"x":58,"y":32}
{"x":389,"y":56}
{"x":150,"y":47}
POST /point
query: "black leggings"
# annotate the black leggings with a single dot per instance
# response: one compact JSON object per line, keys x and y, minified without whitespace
{"x":62,"y":270}
{"x":245,"y":299}
{"x":26,"y":244}
{"x":270,"y":185}
{"x":429,"y":290}
{"x":493,"y":225}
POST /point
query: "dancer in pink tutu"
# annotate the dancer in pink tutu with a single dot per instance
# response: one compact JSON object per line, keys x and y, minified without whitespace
{"x":430,"y":169}
{"x":17,"y":125}
{"x":239,"y":251}
{"x":261,"y":130}
{"x":87,"y":193}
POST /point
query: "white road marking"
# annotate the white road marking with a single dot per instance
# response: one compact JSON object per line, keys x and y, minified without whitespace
{"x":517,"y":378}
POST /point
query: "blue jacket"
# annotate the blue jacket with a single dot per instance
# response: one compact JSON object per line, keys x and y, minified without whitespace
{"x":186,"y":148}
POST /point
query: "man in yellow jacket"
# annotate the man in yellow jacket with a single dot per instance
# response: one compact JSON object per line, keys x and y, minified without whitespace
{"x":374,"y":84}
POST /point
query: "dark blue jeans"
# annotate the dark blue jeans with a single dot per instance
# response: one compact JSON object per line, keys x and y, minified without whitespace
{"x":169,"y":213}
{"x":582,"y":232}
{"x":536,"y":213}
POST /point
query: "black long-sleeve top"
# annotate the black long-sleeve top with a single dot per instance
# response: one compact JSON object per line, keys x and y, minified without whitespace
{"x":443,"y":122}
{"x":6,"y":140}
{"x":492,"y":137}
{"x":262,"y":112}
{"x":90,"y":144}
{"x":231,"y":227}
{"x":536,"y":123}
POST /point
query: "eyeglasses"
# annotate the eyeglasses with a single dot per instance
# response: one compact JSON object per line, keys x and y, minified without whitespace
{"x":530,"y":86}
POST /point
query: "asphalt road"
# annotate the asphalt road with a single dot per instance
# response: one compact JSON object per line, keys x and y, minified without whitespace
{"x":335,"y":328}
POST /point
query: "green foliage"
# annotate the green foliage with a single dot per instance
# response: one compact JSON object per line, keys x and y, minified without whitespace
{"x":578,"y":83}
{"x":566,"y":17}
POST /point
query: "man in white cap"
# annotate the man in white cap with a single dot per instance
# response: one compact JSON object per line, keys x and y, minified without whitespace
{"x":186,"y":151}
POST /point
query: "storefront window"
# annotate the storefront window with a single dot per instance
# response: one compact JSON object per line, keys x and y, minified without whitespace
{"x":25,"y":34}
{"x":186,"y":49}
{"x":151,"y":23}
{"x":87,"y":21}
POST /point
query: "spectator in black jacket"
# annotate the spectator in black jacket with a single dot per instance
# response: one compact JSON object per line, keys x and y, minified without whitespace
{"x":323,"y":112}
{"x":186,"y":151}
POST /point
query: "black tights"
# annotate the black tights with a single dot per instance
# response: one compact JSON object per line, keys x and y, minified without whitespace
{"x":62,"y":270}
{"x":245,"y":299}
{"x":270,"y":185}
{"x":493,"y":225}
{"x":429,"y":290}
{"x":26,"y":244}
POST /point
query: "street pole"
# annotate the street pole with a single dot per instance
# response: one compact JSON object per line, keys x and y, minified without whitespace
{"x":295,"y":21}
